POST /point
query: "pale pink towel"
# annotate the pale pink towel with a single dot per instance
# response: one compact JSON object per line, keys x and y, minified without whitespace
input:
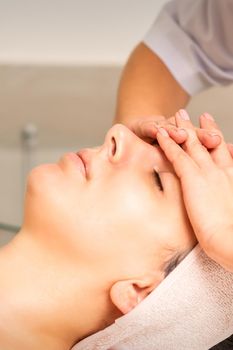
{"x":192,"y":309}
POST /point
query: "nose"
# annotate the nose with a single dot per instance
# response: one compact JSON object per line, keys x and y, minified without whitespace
{"x":123,"y":146}
{"x":121,"y":143}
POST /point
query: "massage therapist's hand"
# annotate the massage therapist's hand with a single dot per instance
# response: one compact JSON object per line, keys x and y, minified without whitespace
{"x":147,"y":127}
{"x":207,"y":184}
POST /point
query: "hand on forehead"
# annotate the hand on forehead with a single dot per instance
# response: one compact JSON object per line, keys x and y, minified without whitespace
{"x":207,"y":185}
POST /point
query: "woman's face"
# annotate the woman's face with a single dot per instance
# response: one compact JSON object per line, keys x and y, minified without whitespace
{"x":110,"y":209}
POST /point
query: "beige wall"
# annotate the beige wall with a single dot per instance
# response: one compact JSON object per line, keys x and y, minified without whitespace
{"x":5,"y":237}
{"x":73,"y":31}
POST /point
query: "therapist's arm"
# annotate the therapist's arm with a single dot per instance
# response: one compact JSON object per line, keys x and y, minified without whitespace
{"x":147,"y":88}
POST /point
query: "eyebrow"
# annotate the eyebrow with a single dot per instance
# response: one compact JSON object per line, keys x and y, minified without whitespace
{"x":173,"y":262}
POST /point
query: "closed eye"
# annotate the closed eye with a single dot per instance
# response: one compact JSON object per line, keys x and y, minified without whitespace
{"x":157,"y":180}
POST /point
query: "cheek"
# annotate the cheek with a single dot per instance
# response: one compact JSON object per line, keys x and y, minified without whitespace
{"x":119,"y":204}
{"x":125,"y":198}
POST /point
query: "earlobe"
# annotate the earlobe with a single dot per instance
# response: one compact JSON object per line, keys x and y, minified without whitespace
{"x":127,"y":294}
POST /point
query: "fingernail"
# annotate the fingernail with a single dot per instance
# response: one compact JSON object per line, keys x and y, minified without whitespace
{"x":182,"y":132}
{"x":208,"y":116}
{"x":163,"y":132}
{"x":183,"y":114}
{"x":212,"y":134}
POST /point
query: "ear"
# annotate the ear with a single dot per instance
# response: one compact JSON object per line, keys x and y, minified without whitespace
{"x":127,"y":294}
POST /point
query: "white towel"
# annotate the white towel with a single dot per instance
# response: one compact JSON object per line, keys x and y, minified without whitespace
{"x":192,"y":309}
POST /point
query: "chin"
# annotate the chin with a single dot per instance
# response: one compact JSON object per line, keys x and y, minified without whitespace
{"x":42,"y":189}
{"x":42,"y":177}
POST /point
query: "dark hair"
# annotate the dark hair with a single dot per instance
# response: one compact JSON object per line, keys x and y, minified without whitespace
{"x":174,"y":261}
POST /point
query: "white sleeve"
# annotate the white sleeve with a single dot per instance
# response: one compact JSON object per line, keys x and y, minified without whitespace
{"x":194,"y":38}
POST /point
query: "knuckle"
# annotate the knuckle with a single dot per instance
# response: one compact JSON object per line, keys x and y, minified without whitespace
{"x":139,"y":122}
{"x":195,"y":145}
{"x":192,"y":143}
{"x":133,"y":125}
{"x":179,"y":156}
{"x":171,"y":121}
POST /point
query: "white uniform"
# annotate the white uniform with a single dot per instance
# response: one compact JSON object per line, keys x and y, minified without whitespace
{"x":194,"y":38}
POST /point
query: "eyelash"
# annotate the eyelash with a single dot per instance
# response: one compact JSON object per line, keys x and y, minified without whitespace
{"x":157,"y":180}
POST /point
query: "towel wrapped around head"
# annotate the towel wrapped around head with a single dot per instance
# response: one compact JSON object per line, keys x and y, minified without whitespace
{"x":191,"y":309}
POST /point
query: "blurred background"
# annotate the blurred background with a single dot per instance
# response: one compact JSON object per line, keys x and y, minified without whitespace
{"x":60,"y":63}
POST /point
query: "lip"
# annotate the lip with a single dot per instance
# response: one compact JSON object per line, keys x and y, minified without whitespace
{"x":78,"y":160}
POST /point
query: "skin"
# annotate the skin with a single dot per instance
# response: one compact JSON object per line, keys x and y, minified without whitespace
{"x":147,"y":88}
{"x":149,"y":96}
{"x":90,"y":248}
{"x":207,"y":186}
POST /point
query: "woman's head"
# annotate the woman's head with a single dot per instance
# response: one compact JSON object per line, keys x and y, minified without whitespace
{"x":116,"y":217}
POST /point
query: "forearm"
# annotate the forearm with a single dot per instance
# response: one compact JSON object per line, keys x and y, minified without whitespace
{"x":147,"y":88}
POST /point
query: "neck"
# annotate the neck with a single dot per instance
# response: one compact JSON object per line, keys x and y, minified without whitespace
{"x":46,"y":301}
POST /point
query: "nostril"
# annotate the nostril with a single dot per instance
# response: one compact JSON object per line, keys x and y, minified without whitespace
{"x":114,"y":146}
